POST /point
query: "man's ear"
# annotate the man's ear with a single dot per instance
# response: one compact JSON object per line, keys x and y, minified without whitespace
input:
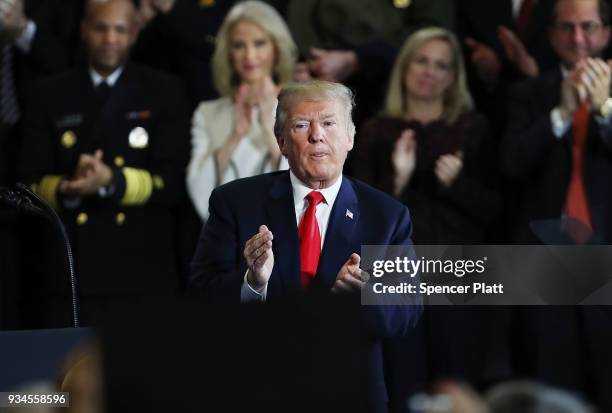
{"x":351,"y":137}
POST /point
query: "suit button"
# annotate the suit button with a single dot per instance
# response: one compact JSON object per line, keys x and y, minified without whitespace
{"x":119,"y":161}
{"x":81,"y":218}
{"x":120,"y":218}
{"x":158,"y":182}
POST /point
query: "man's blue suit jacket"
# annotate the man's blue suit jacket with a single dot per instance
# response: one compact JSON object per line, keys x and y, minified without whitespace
{"x":238,"y":208}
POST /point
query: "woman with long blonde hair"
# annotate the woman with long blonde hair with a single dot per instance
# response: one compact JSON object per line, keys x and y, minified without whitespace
{"x":233,"y":137}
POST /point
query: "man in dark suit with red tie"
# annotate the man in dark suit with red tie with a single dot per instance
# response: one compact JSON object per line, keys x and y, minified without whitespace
{"x":285,"y":232}
{"x":558,"y":150}
{"x":558,"y":144}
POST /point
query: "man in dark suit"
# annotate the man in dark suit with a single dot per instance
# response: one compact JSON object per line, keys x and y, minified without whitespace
{"x":252,"y":247}
{"x":558,"y":149}
{"x":37,"y":38}
{"x":539,"y":148}
{"x":106,"y":145}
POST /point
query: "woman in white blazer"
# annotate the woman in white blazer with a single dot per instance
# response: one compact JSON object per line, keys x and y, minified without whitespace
{"x":232,"y":137}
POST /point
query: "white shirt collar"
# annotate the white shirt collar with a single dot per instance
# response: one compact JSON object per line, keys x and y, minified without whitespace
{"x":300,"y":190}
{"x":110,"y":79}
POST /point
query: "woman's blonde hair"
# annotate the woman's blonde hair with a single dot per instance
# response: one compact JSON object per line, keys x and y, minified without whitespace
{"x":268,"y":20}
{"x":457,"y":98}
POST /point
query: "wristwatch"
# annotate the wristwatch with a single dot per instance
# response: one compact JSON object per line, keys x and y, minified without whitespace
{"x":605,"y":111}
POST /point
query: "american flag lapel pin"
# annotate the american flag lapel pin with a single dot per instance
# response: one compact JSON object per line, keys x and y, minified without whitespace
{"x":349,"y":214}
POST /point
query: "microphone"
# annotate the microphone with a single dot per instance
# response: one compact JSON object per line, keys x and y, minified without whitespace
{"x":15,"y":200}
{"x":24,"y":200}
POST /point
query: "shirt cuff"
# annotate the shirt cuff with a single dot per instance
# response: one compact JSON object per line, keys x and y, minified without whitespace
{"x":26,"y":38}
{"x":601,"y":121}
{"x":249,"y":295}
{"x":559,"y":125}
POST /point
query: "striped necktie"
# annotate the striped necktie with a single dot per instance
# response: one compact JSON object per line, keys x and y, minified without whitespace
{"x":9,"y":107}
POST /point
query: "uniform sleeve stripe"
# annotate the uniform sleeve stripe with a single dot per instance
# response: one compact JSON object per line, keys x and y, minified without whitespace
{"x":138,"y":186}
{"x":47,"y":189}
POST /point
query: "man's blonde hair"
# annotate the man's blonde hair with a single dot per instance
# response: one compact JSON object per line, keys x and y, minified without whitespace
{"x":316,"y":91}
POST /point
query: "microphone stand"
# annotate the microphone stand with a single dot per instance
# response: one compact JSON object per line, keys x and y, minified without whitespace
{"x":25,"y":200}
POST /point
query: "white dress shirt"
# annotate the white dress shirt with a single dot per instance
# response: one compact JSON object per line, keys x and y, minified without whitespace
{"x":323,"y":212}
{"x":111,"y":79}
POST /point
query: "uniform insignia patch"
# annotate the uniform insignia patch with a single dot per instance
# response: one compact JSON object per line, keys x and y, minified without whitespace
{"x":70,"y":121}
{"x":139,"y":138}
{"x":143,"y":114}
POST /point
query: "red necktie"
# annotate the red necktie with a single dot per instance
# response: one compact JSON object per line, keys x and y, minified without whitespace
{"x":310,"y":240}
{"x":576,"y":206}
{"x":522,"y":19}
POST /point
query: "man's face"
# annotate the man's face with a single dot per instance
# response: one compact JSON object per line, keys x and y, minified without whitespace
{"x":107,"y":34}
{"x":316,"y":141}
{"x":577,"y":31}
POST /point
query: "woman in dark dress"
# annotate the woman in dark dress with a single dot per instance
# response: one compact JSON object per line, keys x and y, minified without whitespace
{"x":433,"y":152}
{"x":429,"y":149}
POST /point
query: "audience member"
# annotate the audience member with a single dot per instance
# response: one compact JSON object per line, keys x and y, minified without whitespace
{"x":355,"y":42}
{"x":558,"y":148}
{"x":504,"y":47}
{"x":233,"y":137}
{"x":37,"y":38}
{"x":430,"y":150}
{"x":106,"y":145}
{"x":179,"y":38}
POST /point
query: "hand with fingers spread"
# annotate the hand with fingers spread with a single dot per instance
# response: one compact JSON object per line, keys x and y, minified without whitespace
{"x":13,"y":20}
{"x":332,"y":65}
{"x":403,"y":159}
{"x":260,"y":258}
{"x":349,"y":278}
{"x":91,"y":174}
{"x":485,"y":59}
{"x":448,"y":167}
{"x":517,"y":53}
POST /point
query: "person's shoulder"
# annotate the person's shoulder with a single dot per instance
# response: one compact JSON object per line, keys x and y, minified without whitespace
{"x":381,"y":121}
{"x":535,"y":86}
{"x":66,"y":78}
{"x":371,"y":197}
{"x":472,"y":119}
{"x":214,"y":106}
{"x":258,"y":184}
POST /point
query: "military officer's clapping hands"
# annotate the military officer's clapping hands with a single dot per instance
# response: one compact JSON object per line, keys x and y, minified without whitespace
{"x":91,"y":174}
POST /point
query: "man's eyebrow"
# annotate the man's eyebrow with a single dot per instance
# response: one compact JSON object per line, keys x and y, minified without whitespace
{"x":328,"y":115}
{"x":299,"y":117}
